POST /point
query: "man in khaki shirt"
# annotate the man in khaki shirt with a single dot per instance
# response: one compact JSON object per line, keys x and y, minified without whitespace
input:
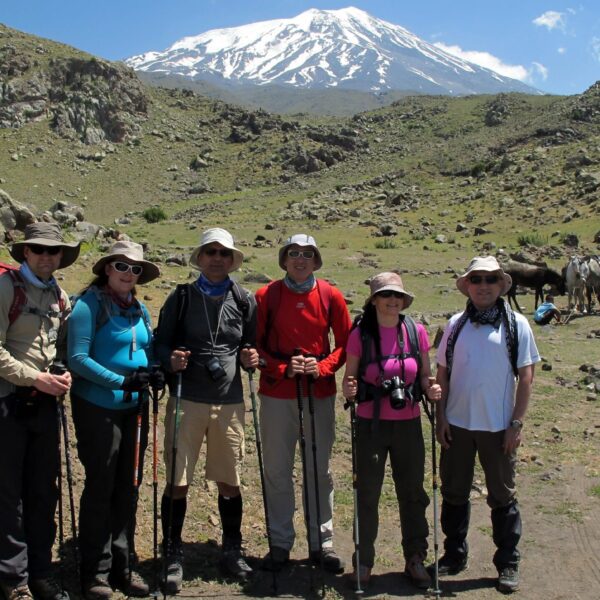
{"x":32,"y":310}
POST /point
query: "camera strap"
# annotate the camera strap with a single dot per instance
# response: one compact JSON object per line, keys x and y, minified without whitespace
{"x":213,"y":337}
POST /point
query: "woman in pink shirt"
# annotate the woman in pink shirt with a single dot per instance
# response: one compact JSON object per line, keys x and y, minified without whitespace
{"x":387,"y":377}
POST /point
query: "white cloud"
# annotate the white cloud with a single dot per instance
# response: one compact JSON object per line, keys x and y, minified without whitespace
{"x":595,"y":48}
{"x":487,"y":60}
{"x":551,"y":19}
{"x":562,"y":50}
{"x":540,"y":70}
{"x":530,"y":75}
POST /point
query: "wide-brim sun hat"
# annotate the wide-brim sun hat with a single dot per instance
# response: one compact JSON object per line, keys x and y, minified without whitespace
{"x":389,"y":281}
{"x":304,"y":241}
{"x":220,"y":236}
{"x":131,"y":253}
{"x":488,"y":264}
{"x":49,"y":235}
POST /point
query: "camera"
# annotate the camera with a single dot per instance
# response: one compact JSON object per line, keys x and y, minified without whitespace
{"x":215,"y":369}
{"x":395,"y":388}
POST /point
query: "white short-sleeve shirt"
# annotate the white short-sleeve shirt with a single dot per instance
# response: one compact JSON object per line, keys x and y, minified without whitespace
{"x":482,"y":383}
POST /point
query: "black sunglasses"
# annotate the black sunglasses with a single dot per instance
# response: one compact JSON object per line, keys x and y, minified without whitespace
{"x":123,"y":267}
{"x":389,"y":294}
{"x":301,"y":253}
{"x":478,"y":279}
{"x":51,"y":250}
{"x":222,"y":252}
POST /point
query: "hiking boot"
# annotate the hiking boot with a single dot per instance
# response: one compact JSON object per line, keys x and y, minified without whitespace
{"x":331,"y":561}
{"x":20,"y":591}
{"x":232,"y":561}
{"x":508,"y":580}
{"x":47,"y":588}
{"x":174,"y":569}
{"x":415,"y":570}
{"x":97,"y":588}
{"x":276,"y":559}
{"x":365,"y":576}
{"x":136,"y":588}
{"x":450,"y":565}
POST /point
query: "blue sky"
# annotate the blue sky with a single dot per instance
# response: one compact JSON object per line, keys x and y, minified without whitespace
{"x":554,"y":46}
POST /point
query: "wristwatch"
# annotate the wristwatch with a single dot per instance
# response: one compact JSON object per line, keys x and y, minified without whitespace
{"x":516,"y":424}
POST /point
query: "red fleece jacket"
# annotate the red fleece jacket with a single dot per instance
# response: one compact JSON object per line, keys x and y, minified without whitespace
{"x":300,"y":322}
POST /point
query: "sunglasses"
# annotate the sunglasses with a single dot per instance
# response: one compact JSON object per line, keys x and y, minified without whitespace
{"x":389,"y":294}
{"x":51,"y":250}
{"x":222,"y":252}
{"x":123,"y":267}
{"x":478,"y":279}
{"x":301,"y":253}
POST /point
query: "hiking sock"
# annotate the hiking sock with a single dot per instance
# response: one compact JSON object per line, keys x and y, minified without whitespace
{"x":230,"y":510}
{"x":179,"y":510}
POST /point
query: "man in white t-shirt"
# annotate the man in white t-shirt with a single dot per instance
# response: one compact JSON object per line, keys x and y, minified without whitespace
{"x":485,"y":367}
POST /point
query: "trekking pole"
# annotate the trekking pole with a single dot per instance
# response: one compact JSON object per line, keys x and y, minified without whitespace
{"x":313,"y":430}
{"x":136,"y":479}
{"x":61,"y":529}
{"x":59,"y":368}
{"x":172,"y":484}
{"x":430,"y":411}
{"x":349,"y":404}
{"x":261,"y":467}
{"x":155,"y":399}
{"x":298,"y":352}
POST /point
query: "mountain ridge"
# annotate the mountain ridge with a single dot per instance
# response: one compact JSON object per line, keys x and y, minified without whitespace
{"x":324,"y":49}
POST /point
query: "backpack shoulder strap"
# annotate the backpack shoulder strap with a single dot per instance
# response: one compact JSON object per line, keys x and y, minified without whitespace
{"x":240,"y":295}
{"x":19,"y":296}
{"x":515,"y":345}
{"x":325,"y":294}
{"x":413,"y":338}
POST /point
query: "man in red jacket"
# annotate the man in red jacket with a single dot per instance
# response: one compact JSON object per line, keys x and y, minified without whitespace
{"x":295,"y":316}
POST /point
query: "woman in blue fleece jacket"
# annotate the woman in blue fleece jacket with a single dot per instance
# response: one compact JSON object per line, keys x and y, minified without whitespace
{"x":109,"y":350}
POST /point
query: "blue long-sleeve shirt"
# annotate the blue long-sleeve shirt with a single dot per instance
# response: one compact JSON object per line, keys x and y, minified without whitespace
{"x":101,"y":357}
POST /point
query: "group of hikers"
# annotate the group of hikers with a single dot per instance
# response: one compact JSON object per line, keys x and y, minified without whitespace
{"x":207,"y":333}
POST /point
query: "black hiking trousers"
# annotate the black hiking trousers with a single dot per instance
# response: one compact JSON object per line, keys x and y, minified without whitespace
{"x":28,"y":487}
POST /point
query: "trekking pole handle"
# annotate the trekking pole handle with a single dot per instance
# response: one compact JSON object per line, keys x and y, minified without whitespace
{"x":248,"y":346}
{"x":58,"y":368}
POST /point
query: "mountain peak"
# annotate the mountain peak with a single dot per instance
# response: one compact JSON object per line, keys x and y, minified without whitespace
{"x":345,"y":48}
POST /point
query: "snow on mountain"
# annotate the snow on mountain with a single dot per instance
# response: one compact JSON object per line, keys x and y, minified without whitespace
{"x":347,"y":49}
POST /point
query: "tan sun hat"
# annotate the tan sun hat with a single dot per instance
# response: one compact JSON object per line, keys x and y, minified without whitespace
{"x":483,"y":263}
{"x":132,"y":253}
{"x":220,"y":236}
{"x":389,"y":281}
{"x":303,"y":240}
{"x":49,"y":235}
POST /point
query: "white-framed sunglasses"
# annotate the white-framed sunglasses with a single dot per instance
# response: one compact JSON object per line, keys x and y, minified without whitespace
{"x":123,"y":267}
{"x":301,"y":253}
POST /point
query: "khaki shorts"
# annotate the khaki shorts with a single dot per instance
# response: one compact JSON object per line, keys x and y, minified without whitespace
{"x":223,"y":426}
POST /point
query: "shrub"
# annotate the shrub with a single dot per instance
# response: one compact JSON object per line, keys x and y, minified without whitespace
{"x":386,"y":244}
{"x":154,"y":214}
{"x":532,"y":239}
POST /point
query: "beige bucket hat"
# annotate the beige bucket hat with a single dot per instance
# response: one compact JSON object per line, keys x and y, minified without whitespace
{"x":303,"y":240}
{"x":389,"y":281}
{"x":132,"y":253}
{"x":223,"y":237}
{"x":483,"y":263}
{"x":49,"y":235}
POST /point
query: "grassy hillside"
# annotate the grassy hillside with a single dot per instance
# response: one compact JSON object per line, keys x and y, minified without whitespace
{"x":377,"y":188}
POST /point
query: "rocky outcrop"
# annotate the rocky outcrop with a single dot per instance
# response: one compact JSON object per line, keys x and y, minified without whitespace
{"x":85,"y":98}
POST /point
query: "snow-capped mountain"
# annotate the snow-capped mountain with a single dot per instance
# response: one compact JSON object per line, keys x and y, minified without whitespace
{"x":347,"y":49}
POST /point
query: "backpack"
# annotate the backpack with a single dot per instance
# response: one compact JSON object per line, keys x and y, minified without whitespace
{"x":19,"y":304}
{"x":106,"y":309}
{"x":273,"y":297}
{"x":366,"y":356}
{"x":182,"y":291}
